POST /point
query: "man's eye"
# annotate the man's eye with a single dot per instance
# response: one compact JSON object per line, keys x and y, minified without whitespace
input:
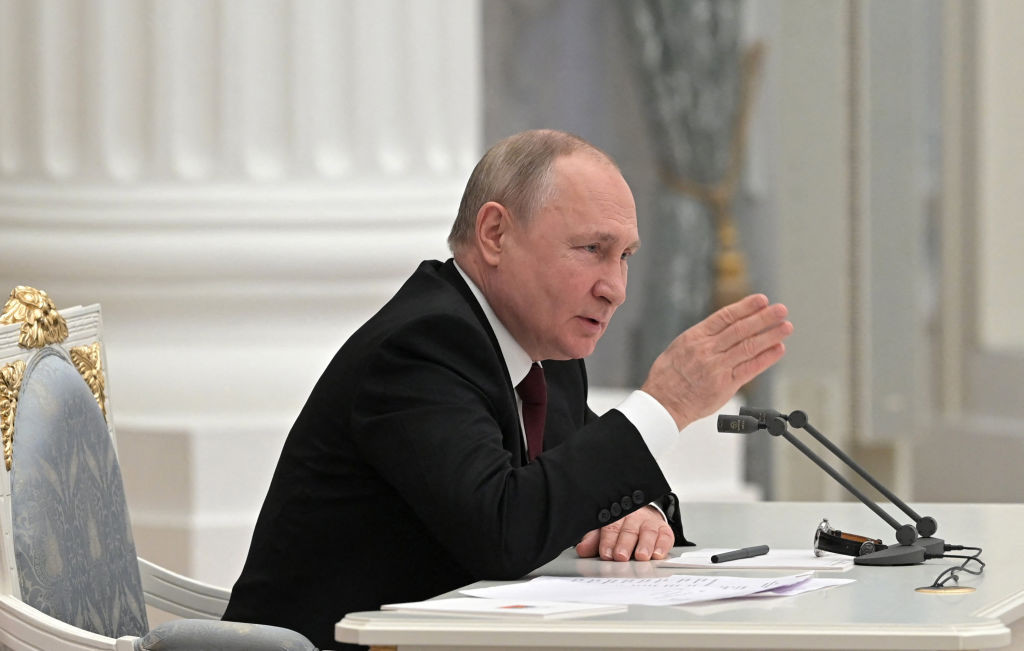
{"x":591,"y":248}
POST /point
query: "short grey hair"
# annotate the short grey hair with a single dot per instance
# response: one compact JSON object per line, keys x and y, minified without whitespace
{"x":516,"y":172}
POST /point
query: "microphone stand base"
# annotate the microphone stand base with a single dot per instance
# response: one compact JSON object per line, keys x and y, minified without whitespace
{"x":932,"y":546}
{"x":894,"y":555}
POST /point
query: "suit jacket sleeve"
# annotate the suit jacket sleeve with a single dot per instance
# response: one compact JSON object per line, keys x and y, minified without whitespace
{"x":668,"y":503}
{"x":435,"y":417}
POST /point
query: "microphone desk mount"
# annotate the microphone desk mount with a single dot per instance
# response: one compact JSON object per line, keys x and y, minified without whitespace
{"x":916,"y":542}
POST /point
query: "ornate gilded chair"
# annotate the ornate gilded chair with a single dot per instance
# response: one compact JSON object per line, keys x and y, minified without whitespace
{"x":69,"y":574}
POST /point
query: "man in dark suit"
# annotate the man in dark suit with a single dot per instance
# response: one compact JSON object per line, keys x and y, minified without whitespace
{"x":408,"y":472}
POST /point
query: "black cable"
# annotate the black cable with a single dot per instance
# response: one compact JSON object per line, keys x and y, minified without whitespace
{"x":953,"y":572}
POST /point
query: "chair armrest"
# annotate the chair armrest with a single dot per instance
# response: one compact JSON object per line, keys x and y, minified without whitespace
{"x":203,"y":635}
{"x":24,"y":627}
{"x":180,"y":595}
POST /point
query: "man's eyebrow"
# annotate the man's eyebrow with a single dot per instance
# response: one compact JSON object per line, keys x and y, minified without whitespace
{"x":604,"y":237}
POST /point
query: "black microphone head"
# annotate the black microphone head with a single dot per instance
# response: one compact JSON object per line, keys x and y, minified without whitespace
{"x":737,"y":424}
{"x":762,"y":415}
{"x":927,"y":526}
{"x":906,"y":534}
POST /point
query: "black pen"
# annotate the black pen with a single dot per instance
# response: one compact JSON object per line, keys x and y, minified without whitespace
{"x":746,"y":552}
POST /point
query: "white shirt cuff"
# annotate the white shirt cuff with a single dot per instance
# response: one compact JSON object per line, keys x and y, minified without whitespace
{"x":656,"y":426}
{"x":655,"y":506}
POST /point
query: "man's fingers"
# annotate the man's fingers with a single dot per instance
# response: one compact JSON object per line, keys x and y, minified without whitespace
{"x":750,"y":326}
{"x":587,"y":547}
{"x":752,"y":347}
{"x":609,"y":534}
{"x":666,"y":538}
{"x":707,"y":363}
{"x":733,"y":313}
{"x":615,"y":538}
{"x":625,"y":544}
{"x":646,"y":543}
{"x":643,"y":535}
{"x":654,"y":543}
{"x":748,"y":370}
{"x":640,"y":535}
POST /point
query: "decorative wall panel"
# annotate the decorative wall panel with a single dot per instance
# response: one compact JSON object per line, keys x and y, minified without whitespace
{"x":239,"y":183}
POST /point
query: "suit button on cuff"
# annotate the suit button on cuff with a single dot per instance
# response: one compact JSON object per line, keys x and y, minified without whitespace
{"x":627,"y":503}
{"x":616,"y":509}
{"x":638,"y":497}
{"x":603,"y":516}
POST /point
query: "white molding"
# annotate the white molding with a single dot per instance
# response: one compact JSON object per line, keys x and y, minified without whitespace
{"x":243,"y":258}
{"x":261,"y":91}
{"x":378,"y":203}
{"x":240,"y":185}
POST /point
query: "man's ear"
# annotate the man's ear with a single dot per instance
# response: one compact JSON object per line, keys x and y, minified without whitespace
{"x":492,"y":225}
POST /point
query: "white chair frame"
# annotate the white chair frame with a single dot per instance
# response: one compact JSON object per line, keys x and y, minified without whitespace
{"x":23,"y":628}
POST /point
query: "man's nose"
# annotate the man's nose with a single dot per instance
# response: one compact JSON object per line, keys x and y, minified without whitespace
{"x":611,"y":286}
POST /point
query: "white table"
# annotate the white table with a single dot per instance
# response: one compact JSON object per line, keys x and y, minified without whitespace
{"x":881,"y":610}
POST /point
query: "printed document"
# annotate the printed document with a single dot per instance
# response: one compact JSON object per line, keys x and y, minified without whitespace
{"x":659,"y":591}
{"x":519,"y":609}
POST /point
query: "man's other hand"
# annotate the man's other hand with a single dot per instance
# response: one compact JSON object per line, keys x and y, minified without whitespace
{"x":643,"y":535}
{"x":705,"y":366}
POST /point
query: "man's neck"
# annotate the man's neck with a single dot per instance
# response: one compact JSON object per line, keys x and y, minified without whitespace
{"x":517,"y":360}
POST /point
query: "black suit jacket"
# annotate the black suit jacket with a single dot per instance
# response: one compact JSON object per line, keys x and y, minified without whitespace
{"x":405,"y":475}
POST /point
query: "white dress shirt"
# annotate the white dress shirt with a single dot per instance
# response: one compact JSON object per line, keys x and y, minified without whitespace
{"x":656,"y":426}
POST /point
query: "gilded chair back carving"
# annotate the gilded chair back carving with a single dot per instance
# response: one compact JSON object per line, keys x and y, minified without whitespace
{"x":67,"y":548}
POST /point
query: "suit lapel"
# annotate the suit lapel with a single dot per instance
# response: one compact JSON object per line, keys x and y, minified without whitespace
{"x":512,"y":437}
{"x":566,"y":394}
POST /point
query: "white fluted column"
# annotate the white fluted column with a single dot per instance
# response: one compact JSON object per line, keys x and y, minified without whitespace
{"x":240,"y":183}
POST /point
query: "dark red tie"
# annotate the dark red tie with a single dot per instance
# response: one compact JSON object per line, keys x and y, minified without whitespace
{"x":534,"y":394}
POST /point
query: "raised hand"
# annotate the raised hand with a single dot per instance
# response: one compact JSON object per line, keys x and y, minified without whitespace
{"x":705,"y":365}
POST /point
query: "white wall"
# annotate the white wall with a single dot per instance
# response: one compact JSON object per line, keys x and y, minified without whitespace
{"x":240,"y":184}
{"x":1000,"y":237}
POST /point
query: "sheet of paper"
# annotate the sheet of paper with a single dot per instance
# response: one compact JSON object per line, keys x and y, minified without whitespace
{"x":775,"y":559}
{"x":756,"y":601}
{"x":799,"y":588}
{"x":660,"y":591}
{"x":476,"y":607}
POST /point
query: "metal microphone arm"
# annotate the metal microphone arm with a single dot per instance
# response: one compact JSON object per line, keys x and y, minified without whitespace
{"x":905,"y":533}
{"x":926,"y":526}
{"x":910,"y":550}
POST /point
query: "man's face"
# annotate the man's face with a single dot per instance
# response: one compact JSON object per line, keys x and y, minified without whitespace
{"x":563,"y":273}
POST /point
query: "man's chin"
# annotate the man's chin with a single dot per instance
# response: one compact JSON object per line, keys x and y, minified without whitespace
{"x":581,"y":351}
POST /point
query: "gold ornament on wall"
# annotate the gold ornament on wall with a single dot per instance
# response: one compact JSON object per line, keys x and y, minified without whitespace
{"x":90,"y":366}
{"x":731,"y":280}
{"x":41,"y":323}
{"x":10,"y":383}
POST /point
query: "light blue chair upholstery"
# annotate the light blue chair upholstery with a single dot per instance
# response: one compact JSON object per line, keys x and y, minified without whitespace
{"x":72,"y":537}
{"x":67,"y":556}
{"x":191,"y":634}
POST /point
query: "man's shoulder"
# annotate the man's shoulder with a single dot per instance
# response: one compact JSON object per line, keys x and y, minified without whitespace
{"x":435,"y":291}
{"x":434,"y":277}
{"x":432,"y":304}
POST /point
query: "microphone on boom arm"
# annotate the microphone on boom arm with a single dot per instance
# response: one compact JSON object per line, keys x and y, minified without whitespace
{"x":911,"y":548}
